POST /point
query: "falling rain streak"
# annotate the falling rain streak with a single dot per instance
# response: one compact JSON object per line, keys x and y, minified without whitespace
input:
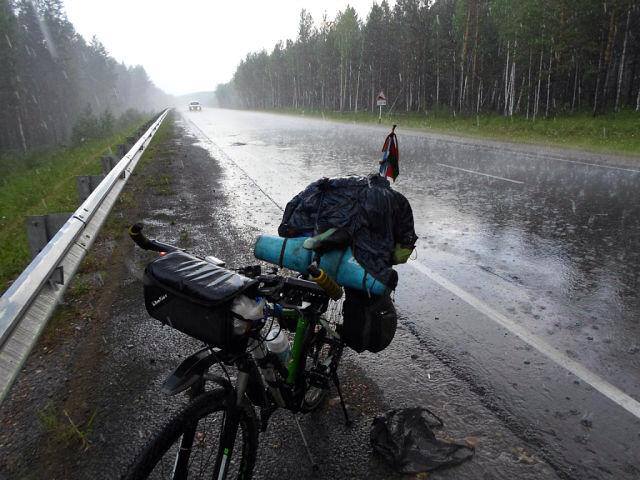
{"x":50,"y":72}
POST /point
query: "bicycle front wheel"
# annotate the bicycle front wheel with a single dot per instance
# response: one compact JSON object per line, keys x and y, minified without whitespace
{"x":187,"y":447}
{"x":324,"y":355}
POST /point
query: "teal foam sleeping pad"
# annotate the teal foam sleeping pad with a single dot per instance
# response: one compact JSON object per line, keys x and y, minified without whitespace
{"x":340,"y":265}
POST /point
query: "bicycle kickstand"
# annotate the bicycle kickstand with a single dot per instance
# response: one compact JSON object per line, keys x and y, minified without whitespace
{"x":314,"y":465}
{"x":336,"y":382}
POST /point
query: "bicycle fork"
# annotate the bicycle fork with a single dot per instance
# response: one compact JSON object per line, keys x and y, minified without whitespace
{"x":231,"y":421}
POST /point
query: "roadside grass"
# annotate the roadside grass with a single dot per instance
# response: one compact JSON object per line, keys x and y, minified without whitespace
{"x":615,"y":133}
{"x":39,"y":183}
{"x":72,"y":419}
{"x":63,"y":429}
{"x":161,"y":185}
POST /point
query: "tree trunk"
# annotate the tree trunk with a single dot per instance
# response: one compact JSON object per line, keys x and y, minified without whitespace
{"x":520,"y":94}
{"x":475,"y":47}
{"x":350,"y":87}
{"x":597,"y":89}
{"x":453,"y":83}
{"x":437,"y":61}
{"x":357,"y":88}
{"x":529,"y":85}
{"x":437,"y":85}
{"x":575,"y":85}
{"x":537,"y":99}
{"x":512,"y":87}
{"x":606,"y":62}
{"x":632,"y":76}
{"x":463,"y":57}
{"x":546,"y":112}
{"x":506,"y":82}
{"x":621,"y":69}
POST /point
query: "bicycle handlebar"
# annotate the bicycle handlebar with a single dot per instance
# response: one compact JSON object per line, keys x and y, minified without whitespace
{"x":135,"y":232}
{"x":273,"y":285}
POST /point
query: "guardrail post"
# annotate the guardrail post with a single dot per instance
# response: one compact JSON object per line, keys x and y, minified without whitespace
{"x":42,"y":228}
{"x":87,"y":184}
{"x":108,"y":162}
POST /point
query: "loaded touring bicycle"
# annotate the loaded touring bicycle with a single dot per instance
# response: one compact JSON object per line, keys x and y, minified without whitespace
{"x":246,"y":316}
{"x":242,"y":316}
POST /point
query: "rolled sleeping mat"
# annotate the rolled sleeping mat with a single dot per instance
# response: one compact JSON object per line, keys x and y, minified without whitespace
{"x":340,"y":265}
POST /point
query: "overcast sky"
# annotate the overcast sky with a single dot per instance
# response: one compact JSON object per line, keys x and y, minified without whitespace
{"x":192,"y":45}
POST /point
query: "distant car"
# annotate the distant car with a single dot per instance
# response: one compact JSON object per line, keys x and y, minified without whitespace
{"x":195,"y":107}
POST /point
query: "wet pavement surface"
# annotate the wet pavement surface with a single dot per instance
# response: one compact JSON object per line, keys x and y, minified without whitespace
{"x":549,"y":240}
{"x":530,"y":251}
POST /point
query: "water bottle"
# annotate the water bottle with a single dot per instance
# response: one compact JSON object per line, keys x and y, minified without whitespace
{"x":338,"y":264}
{"x":249,"y":310}
{"x":278,"y":344}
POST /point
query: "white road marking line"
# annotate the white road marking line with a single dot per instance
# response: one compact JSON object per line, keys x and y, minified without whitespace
{"x":480,"y":173}
{"x":504,"y":148}
{"x":613,"y":393}
{"x":578,"y":162}
{"x":610,"y":167}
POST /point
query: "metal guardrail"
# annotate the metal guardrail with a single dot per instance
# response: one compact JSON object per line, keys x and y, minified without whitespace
{"x":29,"y":302}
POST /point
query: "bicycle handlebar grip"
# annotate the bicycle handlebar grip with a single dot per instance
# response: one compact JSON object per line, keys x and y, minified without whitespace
{"x":135,"y":232}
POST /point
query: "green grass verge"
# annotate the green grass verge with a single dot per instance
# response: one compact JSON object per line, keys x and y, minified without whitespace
{"x":616,"y":133}
{"x":39,"y":183}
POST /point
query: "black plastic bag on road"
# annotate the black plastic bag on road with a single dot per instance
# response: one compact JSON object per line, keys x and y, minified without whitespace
{"x":405,"y":438}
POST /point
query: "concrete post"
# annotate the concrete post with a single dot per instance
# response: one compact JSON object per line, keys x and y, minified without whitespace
{"x":42,"y":228}
{"x":122,"y":150}
{"x":86,"y":185}
{"x":108,"y":162}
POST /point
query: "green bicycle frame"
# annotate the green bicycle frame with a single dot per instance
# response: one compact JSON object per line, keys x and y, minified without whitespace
{"x":296,"y":350}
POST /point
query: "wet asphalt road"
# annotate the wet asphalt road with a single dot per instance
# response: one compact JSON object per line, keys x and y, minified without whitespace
{"x":543,"y":243}
{"x":106,"y":359}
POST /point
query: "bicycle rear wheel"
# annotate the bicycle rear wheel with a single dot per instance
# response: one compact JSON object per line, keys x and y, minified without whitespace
{"x":199,"y":424}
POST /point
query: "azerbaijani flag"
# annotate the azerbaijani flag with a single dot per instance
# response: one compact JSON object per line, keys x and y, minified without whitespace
{"x":389,"y":166}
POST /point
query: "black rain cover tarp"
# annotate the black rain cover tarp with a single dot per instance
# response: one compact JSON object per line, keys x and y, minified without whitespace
{"x":375,"y":216}
{"x":405,"y":439}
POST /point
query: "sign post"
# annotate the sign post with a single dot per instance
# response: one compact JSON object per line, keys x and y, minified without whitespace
{"x":381,"y":101}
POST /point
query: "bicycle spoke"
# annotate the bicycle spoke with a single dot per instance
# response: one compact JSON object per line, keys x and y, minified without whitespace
{"x":206,"y":444}
{"x":211,"y":450}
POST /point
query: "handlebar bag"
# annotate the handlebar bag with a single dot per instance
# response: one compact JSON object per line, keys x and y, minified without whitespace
{"x":194,"y":297}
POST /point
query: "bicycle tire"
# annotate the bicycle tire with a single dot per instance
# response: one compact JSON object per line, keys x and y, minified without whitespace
{"x":315,"y":396}
{"x":199,"y":408}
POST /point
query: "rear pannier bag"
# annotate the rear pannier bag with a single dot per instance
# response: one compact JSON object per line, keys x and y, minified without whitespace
{"x":194,"y":297}
{"x":369,"y":322}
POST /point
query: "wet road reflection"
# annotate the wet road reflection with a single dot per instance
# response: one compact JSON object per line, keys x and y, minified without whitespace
{"x":559,"y":252}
